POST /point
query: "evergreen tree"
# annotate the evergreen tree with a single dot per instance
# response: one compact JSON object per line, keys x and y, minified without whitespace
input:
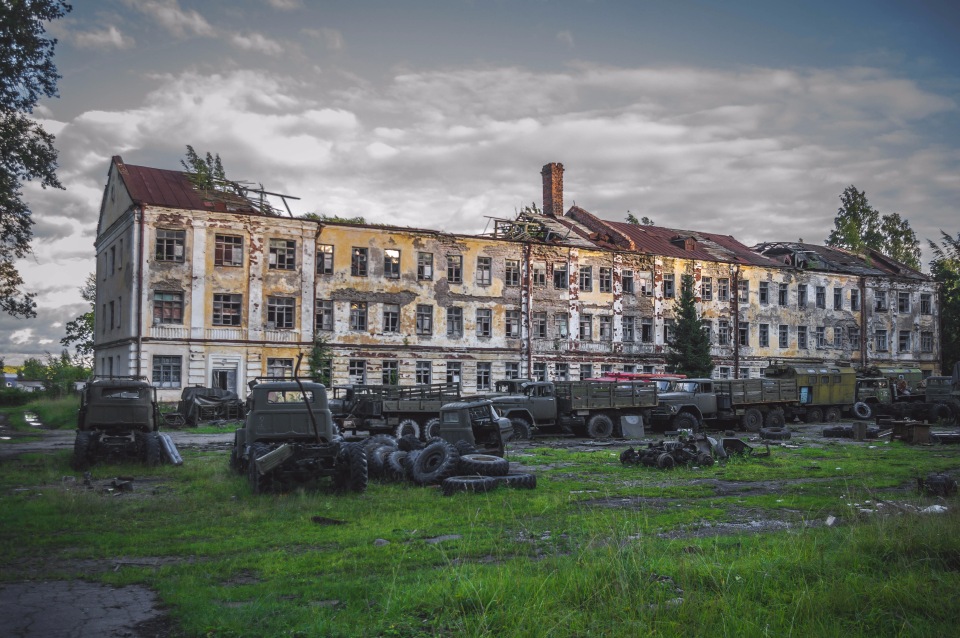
{"x":689,"y":351}
{"x":80,"y":331}
{"x":205,"y":173}
{"x":320,"y":360}
{"x":945,"y":268}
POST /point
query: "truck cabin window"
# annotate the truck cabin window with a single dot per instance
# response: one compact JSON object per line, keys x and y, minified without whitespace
{"x":288,"y":396}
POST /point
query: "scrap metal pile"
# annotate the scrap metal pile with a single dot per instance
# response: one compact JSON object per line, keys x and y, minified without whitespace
{"x":698,"y":450}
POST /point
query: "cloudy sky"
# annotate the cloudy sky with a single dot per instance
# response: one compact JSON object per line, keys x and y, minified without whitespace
{"x":741,"y":117}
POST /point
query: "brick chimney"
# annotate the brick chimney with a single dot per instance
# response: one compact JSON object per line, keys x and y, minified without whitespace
{"x":552,"y":189}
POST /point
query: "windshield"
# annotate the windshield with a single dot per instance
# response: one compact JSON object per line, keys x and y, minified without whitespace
{"x":685,"y":386}
{"x":664,"y":385}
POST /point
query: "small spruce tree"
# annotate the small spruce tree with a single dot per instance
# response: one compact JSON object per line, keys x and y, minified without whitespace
{"x":689,"y":351}
{"x":320,"y":360}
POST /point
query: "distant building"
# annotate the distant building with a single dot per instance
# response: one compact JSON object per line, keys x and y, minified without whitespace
{"x":201,"y":287}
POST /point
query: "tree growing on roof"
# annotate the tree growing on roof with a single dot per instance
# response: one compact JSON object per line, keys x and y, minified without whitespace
{"x":945,"y":268}
{"x":689,"y":351}
{"x":858,"y":226}
{"x":27,"y":73}
{"x":643,"y":221}
{"x":205,"y":173}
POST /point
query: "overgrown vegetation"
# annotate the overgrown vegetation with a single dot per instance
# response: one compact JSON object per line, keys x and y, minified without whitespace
{"x":597,"y":549}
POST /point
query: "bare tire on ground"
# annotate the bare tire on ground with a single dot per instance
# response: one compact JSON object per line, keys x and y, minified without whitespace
{"x":862,"y":410}
{"x":775,"y":434}
{"x":519,"y":480}
{"x":408,"y":427}
{"x":774,"y":419}
{"x":752,"y":420}
{"x":686,"y":421}
{"x":465,"y":447}
{"x":395,"y":469}
{"x":832,"y":414}
{"x":600,"y":426}
{"x":484,"y":465}
{"x":434,"y":463}
{"x":477,"y":484}
{"x":521,"y":428}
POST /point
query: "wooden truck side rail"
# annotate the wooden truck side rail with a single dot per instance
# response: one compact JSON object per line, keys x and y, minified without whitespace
{"x":598,"y":395}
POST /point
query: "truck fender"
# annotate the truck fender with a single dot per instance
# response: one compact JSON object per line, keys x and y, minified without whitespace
{"x":520,"y":414}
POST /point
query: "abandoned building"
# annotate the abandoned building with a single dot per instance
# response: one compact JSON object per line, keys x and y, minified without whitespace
{"x":208,"y":285}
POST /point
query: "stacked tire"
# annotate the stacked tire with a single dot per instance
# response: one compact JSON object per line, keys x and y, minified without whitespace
{"x":484,"y":472}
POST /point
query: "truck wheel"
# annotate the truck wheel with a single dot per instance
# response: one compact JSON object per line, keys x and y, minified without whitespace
{"x":431,"y":428}
{"x":258,"y":485}
{"x":484,"y":465}
{"x":521,"y":428}
{"x":752,"y":420}
{"x":814,"y":415}
{"x":862,"y":410}
{"x":435,"y":462}
{"x":600,"y":426}
{"x":376,"y":460}
{"x":686,"y":421}
{"x":81,"y":451}
{"x":704,"y":459}
{"x":941,"y":412}
{"x":409,"y":443}
{"x":395,"y":468}
{"x":665,"y":461}
{"x":465,"y":447}
{"x":154,"y":455}
{"x":832,"y":414}
{"x":356,"y":472}
{"x":234,"y":461}
{"x":408,"y":426}
{"x":476,"y":484}
{"x":775,"y":419}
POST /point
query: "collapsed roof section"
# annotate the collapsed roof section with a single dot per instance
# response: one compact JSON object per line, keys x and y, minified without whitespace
{"x":870,"y":263}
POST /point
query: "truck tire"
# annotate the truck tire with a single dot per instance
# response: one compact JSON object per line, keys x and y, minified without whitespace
{"x":475,"y":484}
{"x":686,"y":421}
{"x":154,"y":450}
{"x":600,"y":426}
{"x":518,"y":480}
{"x":521,"y":428}
{"x":862,"y":410}
{"x":775,"y":434}
{"x":431,"y":428}
{"x":409,"y":443}
{"x":832,"y":414}
{"x":752,"y":420}
{"x":775,"y":419}
{"x":435,"y":462}
{"x":395,"y":468}
{"x":941,"y":412}
{"x":258,"y":485}
{"x":484,"y":465}
{"x":377,"y":459}
{"x":465,"y":447}
{"x":378,"y":440}
{"x":355,"y":473}
{"x":407,"y":427}
{"x":82,"y":449}
{"x":814,"y":415}
{"x":235,"y":461}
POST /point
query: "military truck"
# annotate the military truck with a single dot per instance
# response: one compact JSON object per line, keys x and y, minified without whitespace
{"x":289,"y":438}
{"x":476,"y":422}
{"x":392,"y":409}
{"x":586,"y":408}
{"x":753,"y":402}
{"x":943,"y":393}
{"x":118,"y":419}
{"x":825,"y":393}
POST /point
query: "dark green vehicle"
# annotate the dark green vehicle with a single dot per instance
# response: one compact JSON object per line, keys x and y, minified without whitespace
{"x":289,"y":439}
{"x":477,"y":423}
{"x":119,"y":419}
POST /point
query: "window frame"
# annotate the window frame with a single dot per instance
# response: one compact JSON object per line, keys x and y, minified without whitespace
{"x":282,"y":254}
{"x":227,"y":245}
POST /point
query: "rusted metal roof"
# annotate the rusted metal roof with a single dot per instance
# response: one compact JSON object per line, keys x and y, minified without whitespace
{"x":173,"y":189}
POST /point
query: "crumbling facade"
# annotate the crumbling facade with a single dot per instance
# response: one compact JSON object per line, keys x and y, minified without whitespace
{"x":209,"y":288}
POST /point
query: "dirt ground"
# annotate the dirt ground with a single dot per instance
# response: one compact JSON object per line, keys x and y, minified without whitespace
{"x":52,"y":599}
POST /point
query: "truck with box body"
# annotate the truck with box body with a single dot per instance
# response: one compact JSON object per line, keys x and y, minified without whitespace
{"x":392,"y":409}
{"x":824,"y":393}
{"x":586,"y":408}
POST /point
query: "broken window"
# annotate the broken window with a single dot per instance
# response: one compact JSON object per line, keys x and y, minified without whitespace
{"x":669,"y":285}
{"x":484,"y":376}
{"x":277,"y":367}
{"x":723,"y":332}
{"x":783,"y":336}
{"x":926,"y":303}
{"x":513,"y":324}
{"x":166,"y":371}
{"x":880,"y":300}
{"x":926,"y":341}
{"x":606,"y":328}
{"x":484,"y":271}
{"x":764,"y":292}
{"x":723,"y":289}
{"x":821,"y":297}
{"x":511,"y":272}
{"x":227,"y":250}
{"x":358,"y":261}
{"x":669,"y":330}
{"x":821,"y":337}
{"x":169,"y":245}
{"x":586,"y":278}
{"x":454,"y":370}
{"x":743,"y":333}
{"x":455,"y":269}
{"x":424,"y":372}
{"x":764,"y":335}
{"x":744,"y":288}
{"x":626,"y":282}
{"x":880,"y":340}
{"x":283,"y":254}
{"x":586,"y":327}
{"x":855,"y":300}
{"x":167,"y":307}
{"x":324,"y":314}
{"x":562,"y":372}
{"x":782,"y":293}
{"x":227,"y":309}
{"x":358,"y":315}
{"x":390,"y":372}
{"x":646,"y":330}
{"x":586,"y":371}
{"x":904,"y":341}
{"x":511,"y":370}
{"x":903,"y":302}
{"x":424,"y":319}
{"x":325,"y":259}
{"x":357,"y":370}
{"x":801,"y":336}
{"x":391,"y":263}
{"x":606,"y":280}
{"x":539,"y":325}
{"x":539,"y":371}
{"x":629,"y":329}
{"x":560,"y":323}
{"x":853,"y":336}
{"x":540,"y":275}
{"x":454,"y":321}
{"x":706,"y":288}
{"x":837,"y":337}
{"x":560,"y":281}
{"x":838,"y":298}
{"x":801,"y":295}
{"x":391,"y":317}
{"x":280,"y":312}
{"x":484,"y":322}
{"x":424,"y":266}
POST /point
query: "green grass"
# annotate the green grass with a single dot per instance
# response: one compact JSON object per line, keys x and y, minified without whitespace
{"x":598,"y":549}
{"x":53,"y":413}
